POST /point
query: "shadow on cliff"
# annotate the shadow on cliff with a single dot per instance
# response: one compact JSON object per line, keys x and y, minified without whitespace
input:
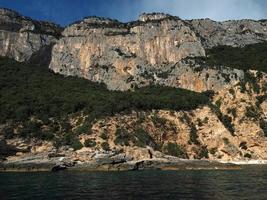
{"x":8,"y":150}
{"x":43,"y":56}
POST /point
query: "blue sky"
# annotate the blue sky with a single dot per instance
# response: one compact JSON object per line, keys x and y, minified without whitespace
{"x":67,"y":11}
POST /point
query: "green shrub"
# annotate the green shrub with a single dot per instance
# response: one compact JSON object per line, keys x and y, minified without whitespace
{"x":263,"y":125}
{"x":76,"y":145}
{"x":89,"y":143}
{"x":159,"y":122}
{"x":202,"y":153}
{"x":199,"y":122}
{"x":214,"y":150}
{"x":261,"y":99}
{"x":218,"y":103}
{"x":227,"y":122}
{"x":141,"y":118}
{"x":142,"y":138}
{"x":105,"y":146}
{"x":65,"y":126}
{"x":232,"y":92}
{"x":47,"y":135}
{"x":68,"y":139}
{"x":122,"y":137}
{"x":243,"y":145}
{"x":252,"y":81}
{"x":226,"y":141}
{"x":104,"y":136}
{"x":232,"y":111}
{"x":8,"y":132}
{"x":138,"y":138}
{"x":71,"y":140}
{"x":174,"y":149}
{"x":30,"y":129}
{"x":225,"y":119}
{"x":84,"y":129}
{"x":251,"y":112}
{"x":193,"y":135}
{"x":247,"y":155}
{"x":206,"y":120}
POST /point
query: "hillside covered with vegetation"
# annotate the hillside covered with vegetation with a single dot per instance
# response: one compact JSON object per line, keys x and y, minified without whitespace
{"x":33,"y":91}
{"x":248,"y":57}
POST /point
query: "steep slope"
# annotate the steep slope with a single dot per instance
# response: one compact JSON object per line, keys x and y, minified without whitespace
{"x":156,"y":49}
{"x":38,"y":105}
{"x":232,"y":127}
{"x":170,"y":89}
{"x":149,"y":122}
{"x":24,"y":39}
{"x":235,"y":33}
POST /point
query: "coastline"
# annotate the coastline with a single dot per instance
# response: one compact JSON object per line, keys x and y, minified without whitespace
{"x":247,"y":162}
{"x":140,"y":165}
{"x":114,"y":161}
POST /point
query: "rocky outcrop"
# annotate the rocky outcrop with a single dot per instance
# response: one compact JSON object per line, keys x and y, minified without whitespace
{"x":236,"y":33}
{"x":7,"y":150}
{"x":107,"y":51}
{"x":145,"y":17}
{"x":151,"y":50}
{"x":24,"y":39}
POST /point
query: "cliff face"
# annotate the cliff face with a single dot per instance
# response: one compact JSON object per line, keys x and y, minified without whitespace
{"x":24,"y":39}
{"x":151,"y":50}
{"x":236,"y":33}
{"x":120,"y":55}
{"x":158,"y":49}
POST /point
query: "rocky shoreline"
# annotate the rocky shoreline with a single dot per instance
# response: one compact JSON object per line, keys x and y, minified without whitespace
{"x":113,"y":161}
{"x":119,"y":162}
{"x":133,"y":159}
{"x":131,"y":166}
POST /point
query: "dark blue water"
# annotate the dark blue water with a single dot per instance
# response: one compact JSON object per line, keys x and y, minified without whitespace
{"x":237,"y":184}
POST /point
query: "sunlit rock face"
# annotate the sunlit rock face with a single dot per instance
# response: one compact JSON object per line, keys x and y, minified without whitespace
{"x":119,"y":54}
{"x":156,"y":49}
{"x":236,"y":33}
{"x":24,"y":39}
{"x":153,"y":16}
{"x":151,"y":50}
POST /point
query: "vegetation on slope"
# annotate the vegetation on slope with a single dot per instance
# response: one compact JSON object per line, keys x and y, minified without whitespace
{"x":31,"y":90}
{"x":248,"y":57}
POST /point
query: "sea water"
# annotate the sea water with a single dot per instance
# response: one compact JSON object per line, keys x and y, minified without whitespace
{"x":250,"y":183}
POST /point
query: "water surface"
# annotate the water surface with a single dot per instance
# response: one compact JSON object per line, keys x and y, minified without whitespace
{"x":248,"y":183}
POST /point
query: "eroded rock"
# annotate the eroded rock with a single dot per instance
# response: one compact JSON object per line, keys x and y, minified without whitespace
{"x":24,"y":39}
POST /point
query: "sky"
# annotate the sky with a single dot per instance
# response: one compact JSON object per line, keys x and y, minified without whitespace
{"x":65,"y":12}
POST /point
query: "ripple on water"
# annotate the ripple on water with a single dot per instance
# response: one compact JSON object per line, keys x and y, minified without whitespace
{"x":249,"y":183}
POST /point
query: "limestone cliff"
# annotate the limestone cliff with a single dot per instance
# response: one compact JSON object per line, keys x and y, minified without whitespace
{"x":158,"y":49}
{"x":153,"y":50}
{"x":24,"y":39}
{"x":232,"y":33}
